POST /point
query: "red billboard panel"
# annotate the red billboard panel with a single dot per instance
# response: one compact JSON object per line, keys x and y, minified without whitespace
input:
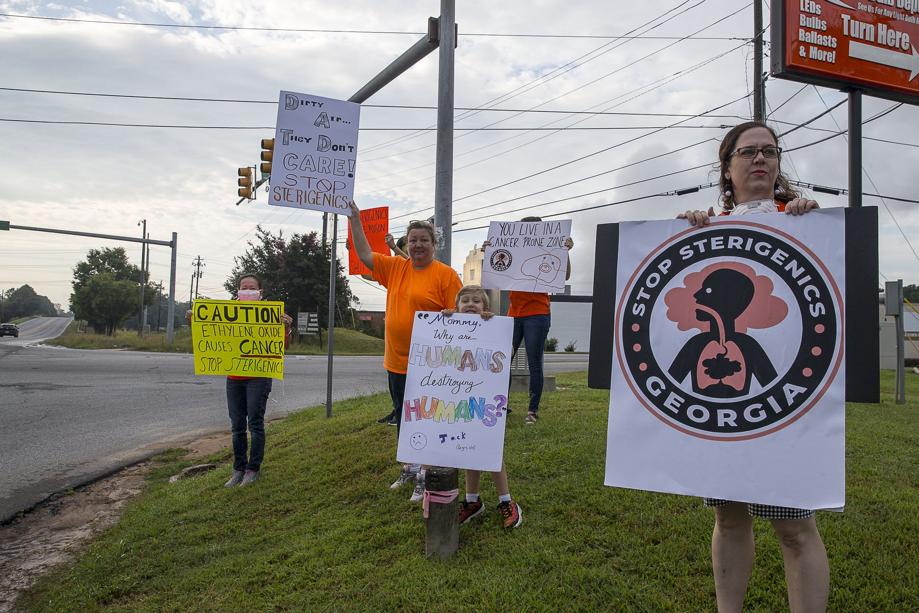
{"x":860,"y":44}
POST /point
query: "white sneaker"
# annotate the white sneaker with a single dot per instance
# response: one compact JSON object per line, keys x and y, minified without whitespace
{"x":404,"y":477}
{"x":418,"y":492}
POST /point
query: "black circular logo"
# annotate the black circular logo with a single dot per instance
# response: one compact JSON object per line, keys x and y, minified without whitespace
{"x":501,"y":260}
{"x":757,"y":322}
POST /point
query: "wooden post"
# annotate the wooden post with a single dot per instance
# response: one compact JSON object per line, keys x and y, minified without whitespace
{"x":441,"y":528}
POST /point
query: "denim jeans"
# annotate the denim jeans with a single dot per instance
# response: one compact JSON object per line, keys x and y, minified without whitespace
{"x":397,"y":393}
{"x":246,"y":400}
{"x":533,"y":330}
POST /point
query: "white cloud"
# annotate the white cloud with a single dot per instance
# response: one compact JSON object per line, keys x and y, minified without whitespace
{"x":105,"y":179}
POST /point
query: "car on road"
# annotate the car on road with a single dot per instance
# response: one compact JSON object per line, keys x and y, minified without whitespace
{"x":9,"y":330}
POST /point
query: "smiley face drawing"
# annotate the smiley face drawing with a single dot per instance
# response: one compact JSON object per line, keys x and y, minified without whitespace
{"x":418,"y":441}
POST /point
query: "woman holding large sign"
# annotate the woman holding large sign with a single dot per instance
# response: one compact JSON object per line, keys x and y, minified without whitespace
{"x":752,"y":181}
{"x":419,"y":283}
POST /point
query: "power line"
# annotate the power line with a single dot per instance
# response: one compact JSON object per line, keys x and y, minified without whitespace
{"x":583,"y":157}
{"x":600,"y":78}
{"x":363,"y":105}
{"x":647,"y":87}
{"x":870,"y":180}
{"x":587,"y":178}
{"x":205,"y":127}
{"x":148,"y":24}
{"x":787,"y":100}
{"x":559,"y":71}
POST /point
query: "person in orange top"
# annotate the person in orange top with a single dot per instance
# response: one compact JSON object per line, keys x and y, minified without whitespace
{"x":532,"y":318}
{"x":419,"y":283}
{"x":752,"y":182}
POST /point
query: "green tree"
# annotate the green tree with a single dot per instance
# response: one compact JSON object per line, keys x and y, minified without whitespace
{"x":105,"y":302}
{"x":105,"y":289}
{"x":24,"y":302}
{"x":911,"y":293}
{"x":294,"y":271}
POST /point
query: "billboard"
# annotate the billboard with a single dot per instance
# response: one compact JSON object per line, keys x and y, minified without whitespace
{"x":849,"y":44}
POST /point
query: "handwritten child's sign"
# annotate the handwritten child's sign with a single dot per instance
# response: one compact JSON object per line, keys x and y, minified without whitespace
{"x":455,"y":405}
{"x":230,"y":337}
{"x":527,"y":256}
{"x":315,"y":151}
{"x":376,"y":227}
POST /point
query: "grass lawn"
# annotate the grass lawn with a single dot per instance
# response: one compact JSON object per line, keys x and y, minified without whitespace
{"x":321,"y":530}
{"x":347,"y":342}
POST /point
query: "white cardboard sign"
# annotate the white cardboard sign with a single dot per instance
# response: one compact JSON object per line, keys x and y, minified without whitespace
{"x":728,"y":374}
{"x":455,"y":406}
{"x":315,"y":153}
{"x":528,"y":256}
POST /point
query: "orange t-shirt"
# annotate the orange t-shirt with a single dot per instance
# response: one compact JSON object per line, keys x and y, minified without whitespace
{"x":524,"y":304}
{"x":432,"y":288}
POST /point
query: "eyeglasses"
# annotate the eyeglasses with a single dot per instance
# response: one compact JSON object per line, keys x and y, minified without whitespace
{"x":770,"y":152}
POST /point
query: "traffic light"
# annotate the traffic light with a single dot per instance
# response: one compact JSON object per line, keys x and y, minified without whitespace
{"x":267,"y":155}
{"x":245,"y":183}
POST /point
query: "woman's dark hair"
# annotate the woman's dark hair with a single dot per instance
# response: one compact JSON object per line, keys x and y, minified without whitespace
{"x":784,"y":191}
{"x":401,"y":243}
{"x":533,"y":218}
{"x":249,"y":275}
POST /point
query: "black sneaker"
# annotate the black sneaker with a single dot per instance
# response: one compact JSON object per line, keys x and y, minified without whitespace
{"x":393,"y":420}
{"x":386,"y":420}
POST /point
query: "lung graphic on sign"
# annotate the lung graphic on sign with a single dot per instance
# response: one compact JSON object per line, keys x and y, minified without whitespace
{"x":723,"y":359}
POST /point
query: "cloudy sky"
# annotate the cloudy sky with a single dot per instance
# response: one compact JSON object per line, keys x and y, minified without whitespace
{"x":105,"y":178}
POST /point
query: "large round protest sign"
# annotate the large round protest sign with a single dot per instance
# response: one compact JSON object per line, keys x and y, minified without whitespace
{"x":731,"y":332}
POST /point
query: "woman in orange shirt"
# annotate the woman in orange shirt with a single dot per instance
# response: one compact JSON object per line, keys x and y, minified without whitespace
{"x":532,"y":318}
{"x":419,"y":283}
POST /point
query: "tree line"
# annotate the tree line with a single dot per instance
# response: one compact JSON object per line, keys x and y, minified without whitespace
{"x":295,"y":270}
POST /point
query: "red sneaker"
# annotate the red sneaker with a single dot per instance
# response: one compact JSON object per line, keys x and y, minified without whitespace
{"x":468,"y":510}
{"x":510,"y":514}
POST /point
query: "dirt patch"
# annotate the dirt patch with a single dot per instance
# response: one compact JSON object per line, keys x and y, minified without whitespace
{"x":54,"y":532}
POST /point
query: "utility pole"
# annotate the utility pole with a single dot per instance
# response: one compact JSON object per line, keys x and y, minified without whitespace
{"x":146,"y":278}
{"x":197,"y":274}
{"x":143,"y":276}
{"x":759,"y":95}
{"x":443,"y":182}
{"x":191,"y":289}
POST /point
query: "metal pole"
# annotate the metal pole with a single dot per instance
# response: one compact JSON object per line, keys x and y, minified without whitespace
{"x":443,"y":186}
{"x":758,"y":93}
{"x":901,"y":333}
{"x":146,"y":279}
{"x":325,"y":228}
{"x":171,"y":308}
{"x":333,"y":275}
{"x":855,"y":148}
{"x":191,"y":289}
{"x":143,"y":270}
{"x":405,"y":61}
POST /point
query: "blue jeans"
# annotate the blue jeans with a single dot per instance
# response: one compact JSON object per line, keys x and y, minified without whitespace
{"x":533,"y":330}
{"x":397,"y":393}
{"x":246,"y":400}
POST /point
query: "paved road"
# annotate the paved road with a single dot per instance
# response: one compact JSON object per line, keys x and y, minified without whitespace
{"x":70,"y":415}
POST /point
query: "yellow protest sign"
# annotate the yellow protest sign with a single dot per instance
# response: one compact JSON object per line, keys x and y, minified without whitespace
{"x":230,"y":337}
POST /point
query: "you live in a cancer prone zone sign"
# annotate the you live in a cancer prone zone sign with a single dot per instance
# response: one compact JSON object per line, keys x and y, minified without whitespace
{"x":315,"y":153}
{"x":728,"y":372}
{"x":528,"y":256}
{"x":455,"y":406}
